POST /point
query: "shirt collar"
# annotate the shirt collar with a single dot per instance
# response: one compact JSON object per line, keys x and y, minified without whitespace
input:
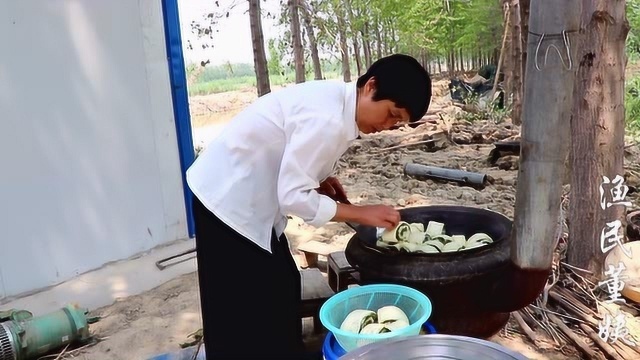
{"x":349,"y":112}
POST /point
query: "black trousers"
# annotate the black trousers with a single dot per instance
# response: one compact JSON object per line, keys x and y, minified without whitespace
{"x":250,"y":299}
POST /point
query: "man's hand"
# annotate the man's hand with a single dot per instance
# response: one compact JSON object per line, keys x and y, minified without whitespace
{"x":332,"y":188}
{"x":379,"y":215}
{"x":383,"y":216}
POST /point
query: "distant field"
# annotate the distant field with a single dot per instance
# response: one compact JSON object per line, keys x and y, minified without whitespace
{"x":232,"y":77}
{"x":242,"y":82}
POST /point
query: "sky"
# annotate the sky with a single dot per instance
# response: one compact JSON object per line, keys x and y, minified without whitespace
{"x":233,"y":41}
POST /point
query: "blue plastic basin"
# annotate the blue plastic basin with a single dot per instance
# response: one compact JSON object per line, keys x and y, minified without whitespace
{"x":331,"y":350}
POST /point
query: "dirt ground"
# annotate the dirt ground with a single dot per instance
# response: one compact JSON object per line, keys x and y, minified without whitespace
{"x":159,"y":320}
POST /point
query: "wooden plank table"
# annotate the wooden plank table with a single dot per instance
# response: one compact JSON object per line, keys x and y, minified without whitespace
{"x":311,"y":249}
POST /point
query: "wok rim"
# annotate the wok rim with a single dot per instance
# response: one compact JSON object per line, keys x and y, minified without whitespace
{"x":477,"y":250}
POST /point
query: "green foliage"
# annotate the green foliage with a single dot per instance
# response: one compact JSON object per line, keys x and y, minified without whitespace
{"x":443,"y":26}
{"x":275,"y":54}
{"x":633,"y":38}
{"x":230,"y":77}
{"x":223,"y":85}
{"x":191,"y":70}
{"x":632,"y":105}
{"x":485,"y":109}
{"x":226,"y":71}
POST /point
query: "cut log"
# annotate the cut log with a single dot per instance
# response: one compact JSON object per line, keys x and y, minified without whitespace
{"x":584,"y":308}
{"x":608,"y":350}
{"x":577,"y":341}
{"x":527,"y":330}
{"x":573,"y":308}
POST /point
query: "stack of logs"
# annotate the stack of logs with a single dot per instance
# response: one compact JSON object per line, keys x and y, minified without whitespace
{"x":573,"y":316}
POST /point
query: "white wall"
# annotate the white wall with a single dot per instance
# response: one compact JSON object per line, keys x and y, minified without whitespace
{"x":89,"y":167}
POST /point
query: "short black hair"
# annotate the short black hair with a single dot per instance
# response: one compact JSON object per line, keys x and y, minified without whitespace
{"x":401,"y":79}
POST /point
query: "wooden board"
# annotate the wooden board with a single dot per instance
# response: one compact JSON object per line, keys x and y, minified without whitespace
{"x":316,"y":247}
{"x":311,"y":250}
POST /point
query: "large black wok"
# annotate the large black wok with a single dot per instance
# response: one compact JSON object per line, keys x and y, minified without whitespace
{"x":472,"y":291}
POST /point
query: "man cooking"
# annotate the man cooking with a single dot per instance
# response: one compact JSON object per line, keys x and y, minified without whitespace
{"x":275,"y":159}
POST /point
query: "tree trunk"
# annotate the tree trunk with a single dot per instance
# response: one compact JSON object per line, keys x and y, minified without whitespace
{"x":356,"y":54}
{"x":366,"y":45}
{"x":393,"y":44}
{"x":313,"y":42}
{"x":544,"y":142}
{"x":424,"y":60}
{"x":296,"y":37}
{"x":516,"y":63}
{"x":354,"y":33}
{"x":259,"y":56}
{"x":597,"y":131}
{"x":506,"y":60}
{"x":386,"y":41}
{"x":439,"y":66}
{"x":388,"y":37}
{"x":524,"y":33}
{"x":461,"y":60}
{"x":456,"y":63}
{"x":344,"y":47}
{"x":378,"y":40}
{"x":505,"y":36}
{"x":451,"y":65}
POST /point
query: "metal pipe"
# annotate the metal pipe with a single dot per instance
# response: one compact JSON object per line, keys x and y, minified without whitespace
{"x":445,"y":174}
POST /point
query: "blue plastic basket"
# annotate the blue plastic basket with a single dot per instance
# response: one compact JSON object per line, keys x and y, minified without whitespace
{"x":415,"y":305}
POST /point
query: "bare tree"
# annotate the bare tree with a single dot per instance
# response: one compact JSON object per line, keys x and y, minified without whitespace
{"x":516,"y":62}
{"x":366,"y":45}
{"x":354,"y":34}
{"x":296,"y":37}
{"x":259,"y":56}
{"x":378,"y":39}
{"x":524,"y":33}
{"x":344,"y":47}
{"x":313,"y":42}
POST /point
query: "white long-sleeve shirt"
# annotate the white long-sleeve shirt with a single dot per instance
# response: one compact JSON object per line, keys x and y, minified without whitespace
{"x":267,"y":161}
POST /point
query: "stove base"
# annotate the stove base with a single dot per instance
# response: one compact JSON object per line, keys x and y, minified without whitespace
{"x":482,"y":326}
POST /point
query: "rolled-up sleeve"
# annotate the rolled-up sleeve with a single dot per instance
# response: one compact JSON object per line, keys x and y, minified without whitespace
{"x":310,"y":151}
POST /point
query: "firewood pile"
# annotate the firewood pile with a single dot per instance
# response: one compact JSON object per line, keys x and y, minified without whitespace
{"x":576,"y":309}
